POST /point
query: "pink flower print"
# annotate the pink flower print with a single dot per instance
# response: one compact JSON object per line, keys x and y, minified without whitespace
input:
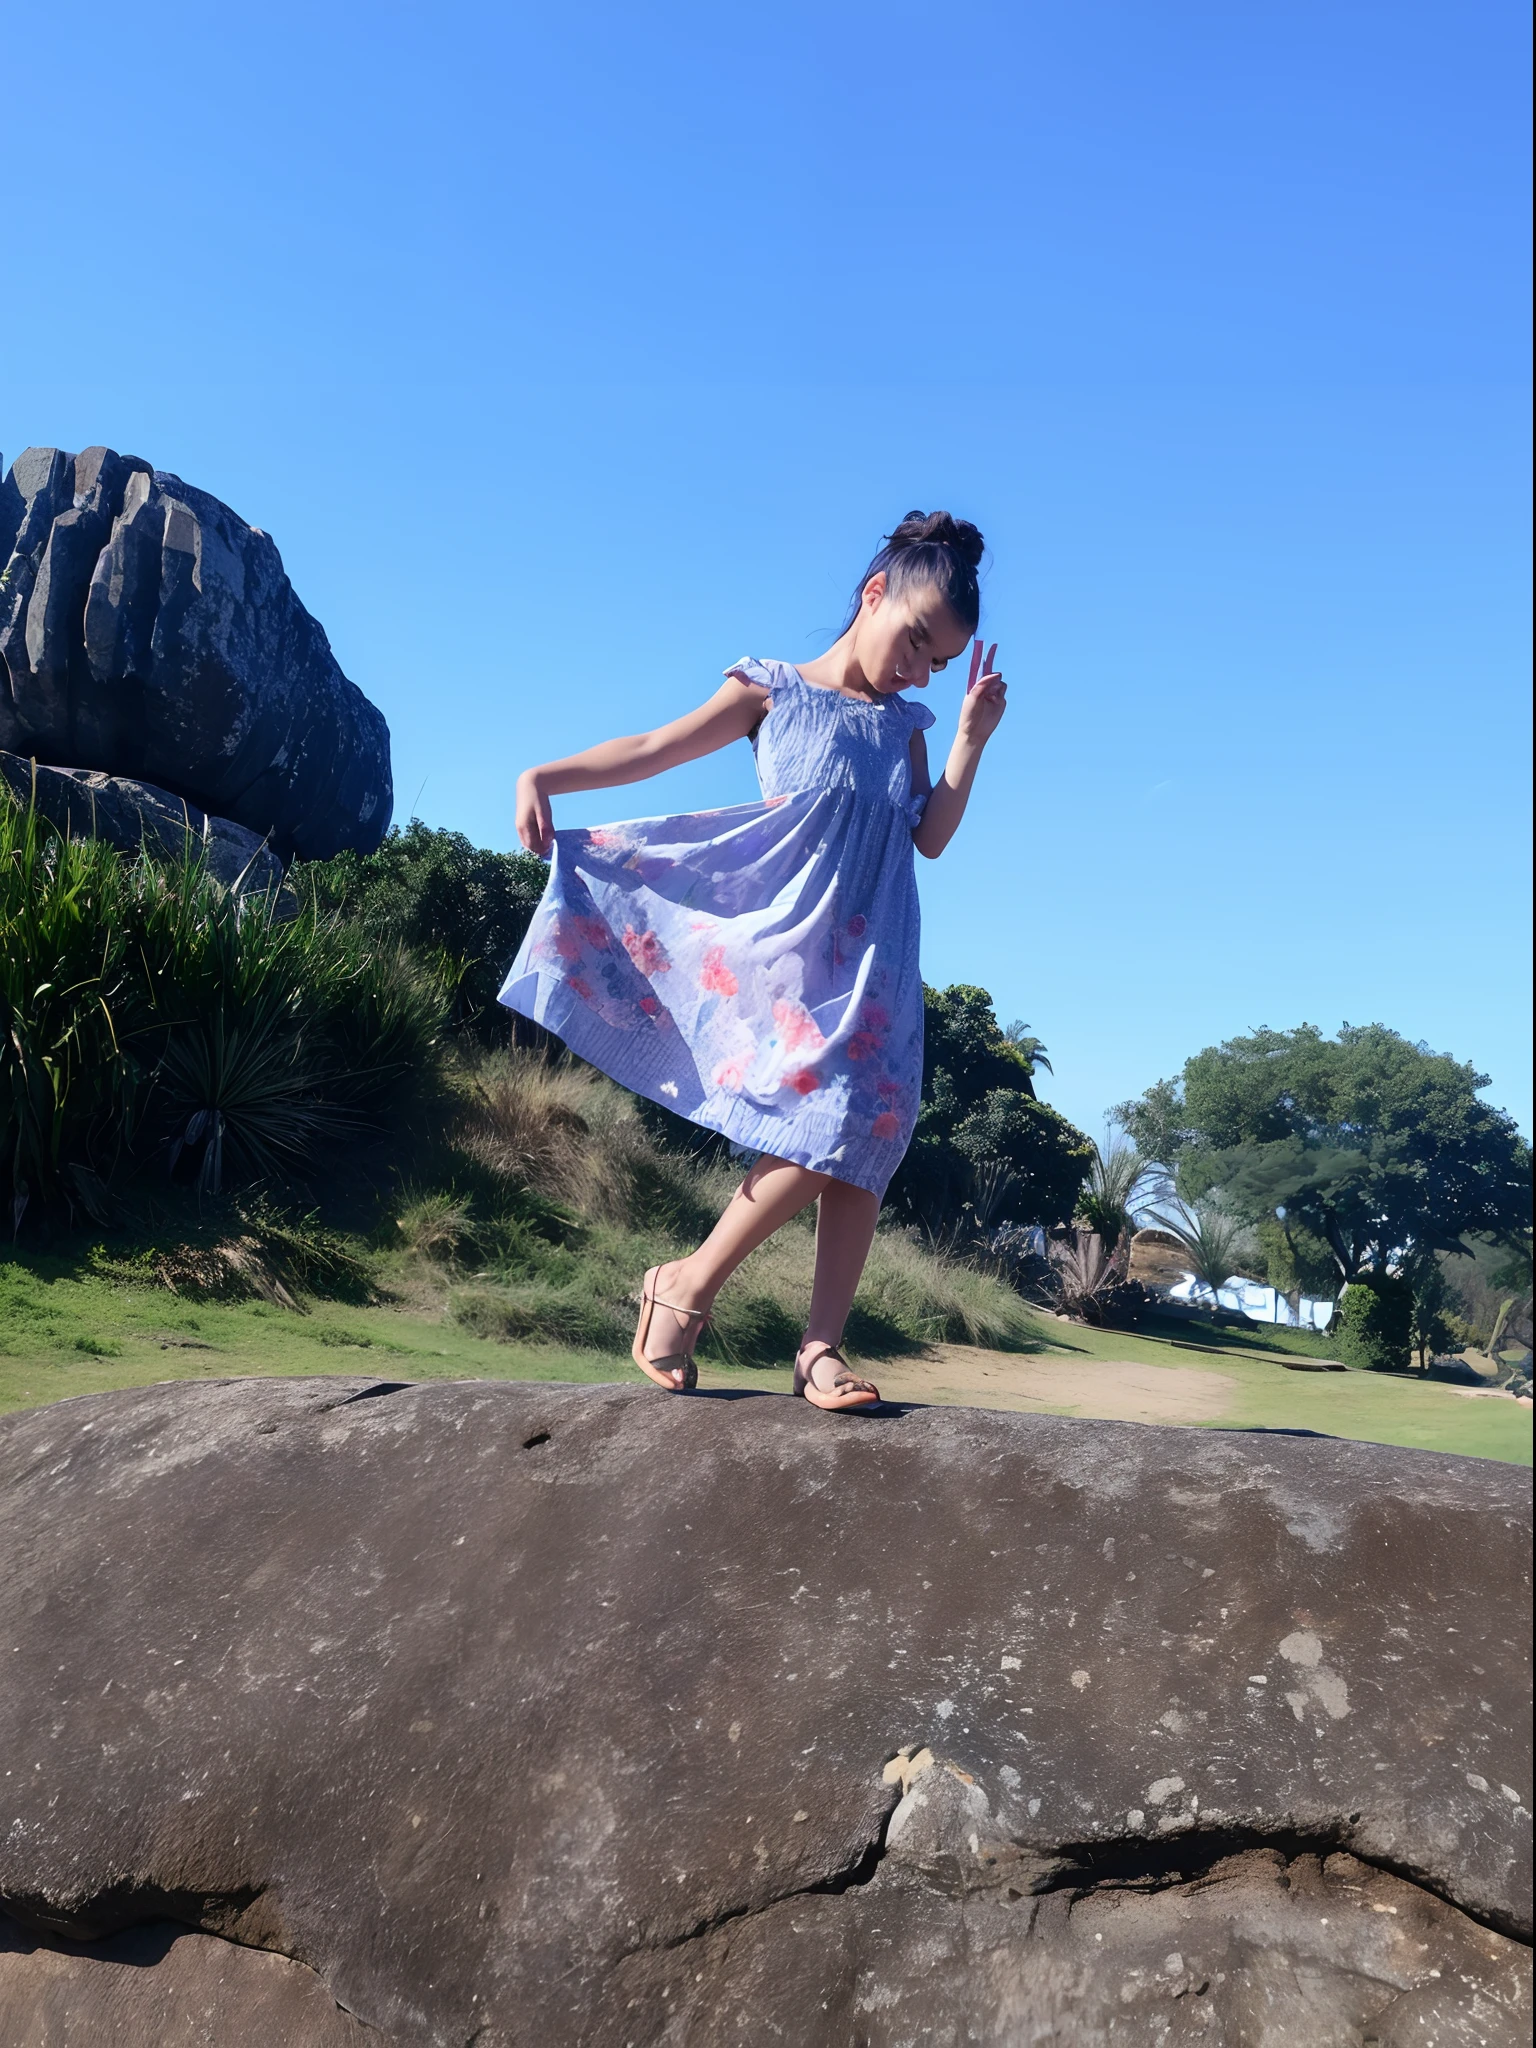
{"x":805,"y":1082}
{"x":876,"y":1017}
{"x":609,"y":841}
{"x":863,"y":1045}
{"x":582,"y":988}
{"x":857,"y":926}
{"x":771,"y":803}
{"x":731,"y":1075}
{"x":797,"y":1027}
{"x":715,"y":976}
{"x":886,"y":1125}
{"x":888,"y":1090}
{"x":567,"y":942}
{"x":650,"y":1006}
{"x":647,"y":951}
{"x":593,"y":932}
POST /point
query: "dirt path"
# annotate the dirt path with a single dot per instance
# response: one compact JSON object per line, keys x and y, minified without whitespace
{"x":1116,"y":1390}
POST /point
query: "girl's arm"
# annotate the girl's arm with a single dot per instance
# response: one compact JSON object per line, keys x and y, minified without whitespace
{"x":986,"y":699}
{"x":730,"y":714}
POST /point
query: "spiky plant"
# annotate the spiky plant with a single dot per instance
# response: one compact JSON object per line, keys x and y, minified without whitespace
{"x":64,"y":1072}
{"x":1120,"y":1182}
{"x":1216,"y":1243}
{"x":141,"y":1000}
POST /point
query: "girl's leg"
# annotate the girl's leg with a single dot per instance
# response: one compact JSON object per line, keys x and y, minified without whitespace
{"x":845,"y":1229}
{"x":773,"y":1192}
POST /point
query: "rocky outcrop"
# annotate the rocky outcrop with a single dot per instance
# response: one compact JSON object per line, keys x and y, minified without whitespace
{"x":131,"y":814}
{"x":540,"y":1714}
{"x":147,"y":631}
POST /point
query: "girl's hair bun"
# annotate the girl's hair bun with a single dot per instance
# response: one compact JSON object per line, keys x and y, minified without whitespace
{"x":942,"y":529}
{"x":930,"y":548}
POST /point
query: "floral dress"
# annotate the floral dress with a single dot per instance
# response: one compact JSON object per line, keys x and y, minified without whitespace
{"x":756,"y":968}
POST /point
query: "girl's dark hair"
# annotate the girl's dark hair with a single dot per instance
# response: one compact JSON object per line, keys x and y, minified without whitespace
{"x":930,"y":547}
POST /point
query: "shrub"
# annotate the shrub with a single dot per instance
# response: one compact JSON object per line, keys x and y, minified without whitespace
{"x":1376,"y":1322}
{"x":435,"y":890}
{"x":436,"y":1225}
{"x":145,"y":1008}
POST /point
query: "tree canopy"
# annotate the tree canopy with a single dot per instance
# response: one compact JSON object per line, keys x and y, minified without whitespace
{"x":979,"y":1106}
{"x":1365,"y":1143}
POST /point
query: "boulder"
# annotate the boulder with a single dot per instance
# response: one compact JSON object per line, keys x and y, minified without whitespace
{"x":127,"y":814}
{"x":545,"y":1714}
{"x":147,"y":631}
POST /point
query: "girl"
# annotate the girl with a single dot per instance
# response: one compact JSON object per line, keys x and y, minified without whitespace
{"x":756,"y":968}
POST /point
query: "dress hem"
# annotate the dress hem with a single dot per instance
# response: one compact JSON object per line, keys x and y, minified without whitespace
{"x":580,"y":1033}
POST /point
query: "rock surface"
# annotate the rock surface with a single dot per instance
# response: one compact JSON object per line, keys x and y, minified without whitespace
{"x":128,"y":813}
{"x":147,"y":631}
{"x":162,"y":1987}
{"x":538,"y":1714}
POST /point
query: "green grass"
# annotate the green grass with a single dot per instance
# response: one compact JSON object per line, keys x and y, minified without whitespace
{"x":1373,"y":1407}
{"x":63,"y":1335}
{"x":65,"y":1332}
{"x":1253,"y":1338}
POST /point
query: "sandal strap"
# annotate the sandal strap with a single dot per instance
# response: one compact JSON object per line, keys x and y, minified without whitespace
{"x":846,"y":1377}
{"x":704,"y":1315}
{"x":826,"y":1351}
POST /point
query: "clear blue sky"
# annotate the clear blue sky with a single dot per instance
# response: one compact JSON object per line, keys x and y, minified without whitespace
{"x":569,"y":353}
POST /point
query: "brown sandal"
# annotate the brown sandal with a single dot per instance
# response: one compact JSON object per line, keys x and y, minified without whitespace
{"x":661,"y":1369}
{"x":847,"y":1389}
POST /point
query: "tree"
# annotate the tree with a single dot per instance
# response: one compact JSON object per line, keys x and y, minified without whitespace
{"x":1154,"y":1123}
{"x":1366,"y":1143}
{"x":1295,"y":1260}
{"x":1430,"y":1326}
{"x":979,"y":1108}
{"x":438,"y":892}
{"x":1020,"y":1037}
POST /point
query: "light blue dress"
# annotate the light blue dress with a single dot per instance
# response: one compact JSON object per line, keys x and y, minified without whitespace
{"x":756,"y":968}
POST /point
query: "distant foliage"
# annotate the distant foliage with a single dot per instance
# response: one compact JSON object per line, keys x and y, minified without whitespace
{"x":1364,"y":1148}
{"x":979,"y":1112}
{"x":439,"y":893}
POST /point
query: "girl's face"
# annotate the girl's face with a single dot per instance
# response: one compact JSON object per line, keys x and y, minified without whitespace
{"x":901,"y":640}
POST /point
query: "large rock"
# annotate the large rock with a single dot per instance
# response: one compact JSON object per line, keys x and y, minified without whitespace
{"x":539,"y":1714}
{"x":147,"y":631}
{"x":131,"y":814}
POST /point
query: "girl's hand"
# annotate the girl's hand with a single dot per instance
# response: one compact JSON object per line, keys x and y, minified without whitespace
{"x":986,"y":698}
{"x":535,"y":821}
